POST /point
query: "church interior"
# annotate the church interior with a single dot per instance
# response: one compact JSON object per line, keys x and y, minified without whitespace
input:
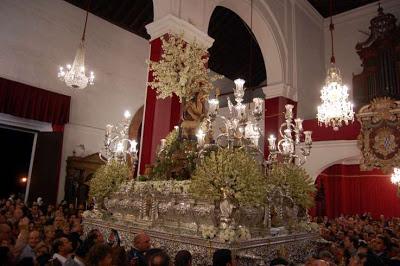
{"x":200,"y":132}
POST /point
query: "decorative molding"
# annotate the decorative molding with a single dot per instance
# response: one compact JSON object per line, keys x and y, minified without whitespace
{"x":326,"y":144}
{"x":16,"y":121}
{"x":280,"y":89}
{"x":310,"y":11}
{"x":369,"y":10}
{"x":172,"y":24}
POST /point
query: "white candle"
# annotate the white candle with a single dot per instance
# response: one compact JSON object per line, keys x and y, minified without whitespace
{"x":289,"y":110}
{"x":134,"y":146}
{"x":163,"y":141}
{"x":109,"y":129}
{"x":271,"y":141}
{"x":239,"y":91}
{"x":200,"y":137}
{"x":299,"y":124}
{"x":213,"y":105}
{"x":307,"y":137}
{"x":176,"y":128}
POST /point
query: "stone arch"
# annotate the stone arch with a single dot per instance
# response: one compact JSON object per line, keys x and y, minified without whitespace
{"x":327,"y":153}
{"x":267,"y":33}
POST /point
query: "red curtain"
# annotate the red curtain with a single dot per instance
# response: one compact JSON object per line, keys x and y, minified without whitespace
{"x":347,"y":190}
{"x":33,"y":103}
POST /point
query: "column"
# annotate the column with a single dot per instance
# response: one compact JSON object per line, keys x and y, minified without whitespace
{"x":161,"y":115}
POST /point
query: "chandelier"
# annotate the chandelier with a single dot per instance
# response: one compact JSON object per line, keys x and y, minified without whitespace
{"x":117,"y":145}
{"x":335,"y":108}
{"x":241,"y":126}
{"x":74,"y":75}
{"x":290,"y":146}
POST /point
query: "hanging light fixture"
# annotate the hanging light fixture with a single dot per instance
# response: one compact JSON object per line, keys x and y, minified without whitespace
{"x":335,"y":108}
{"x":75,"y":75}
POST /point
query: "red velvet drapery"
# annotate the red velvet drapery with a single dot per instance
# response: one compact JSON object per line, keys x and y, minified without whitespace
{"x":347,"y":190}
{"x":33,"y":103}
{"x":322,"y":133}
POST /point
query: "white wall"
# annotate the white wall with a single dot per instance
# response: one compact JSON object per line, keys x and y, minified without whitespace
{"x":347,"y":34}
{"x":38,"y":36}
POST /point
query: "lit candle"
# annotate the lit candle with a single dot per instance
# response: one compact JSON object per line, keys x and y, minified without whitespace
{"x":213,"y":105}
{"x":258,"y":102}
{"x":285,"y":147}
{"x":307,"y":137}
{"x":120,"y":147}
{"x":176,"y":128}
{"x":109,"y":130}
{"x":271,"y":141}
{"x":127,"y":114}
{"x":239,"y":91}
{"x":289,"y":111}
{"x":299,"y":124}
{"x":200,"y":137}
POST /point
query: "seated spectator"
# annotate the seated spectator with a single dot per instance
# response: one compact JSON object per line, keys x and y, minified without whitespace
{"x":223,"y":257}
{"x":99,"y":255}
{"x":183,"y":258}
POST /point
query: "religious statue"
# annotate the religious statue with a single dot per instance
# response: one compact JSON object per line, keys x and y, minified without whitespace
{"x":193,"y":113}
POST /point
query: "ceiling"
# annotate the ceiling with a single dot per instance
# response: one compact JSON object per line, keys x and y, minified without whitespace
{"x":338,"y":6}
{"x":235,"y":52}
{"x":131,"y":15}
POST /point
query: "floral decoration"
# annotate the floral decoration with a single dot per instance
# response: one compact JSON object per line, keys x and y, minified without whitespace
{"x":208,"y":231}
{"x":233,"y":172}
{"x":295,"y":180}
{"x":182,"y":69}
{"x":107,"y":179}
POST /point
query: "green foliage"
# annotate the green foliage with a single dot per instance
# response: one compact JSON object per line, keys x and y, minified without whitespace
{"x":296,"y":180}
{"x":233,"y":171}
{"x":107,"y":179}
{"x":176,"y":161}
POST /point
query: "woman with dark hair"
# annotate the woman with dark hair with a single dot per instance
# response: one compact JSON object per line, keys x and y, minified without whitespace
{"x":183,"y":258}
{"x":99,"y":255}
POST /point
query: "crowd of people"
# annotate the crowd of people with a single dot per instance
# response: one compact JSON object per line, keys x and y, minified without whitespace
{"x":41,"y":234}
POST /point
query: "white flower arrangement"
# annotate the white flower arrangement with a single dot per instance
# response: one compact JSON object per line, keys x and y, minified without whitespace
{"x":182,"y":69}
{"x":227,"y":235}
{"x":243,"y":233}
{"x":208,"y":231}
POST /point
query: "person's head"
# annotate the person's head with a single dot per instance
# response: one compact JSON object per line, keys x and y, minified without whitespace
{"x":34,"y":238}
{"x":99,"y":255}
{"x":278,"y":261}
{"x":223,"y":257}
{"x":142,"y":242}
{"x":41,"y":249}
{"x":5,"y":232}
{"x":119,"y":256}
{"x":317,"y":263}
{"x":95,"y":236}
{"x":159,"y":259}
{"x":62,"y":246}
{"x":327,"y":256}
{"x":183,"y":258}
{"x":49,"y":232}
{"x":350,"y":242}
{"x":381,"y":244}
{"x":18,"y":214}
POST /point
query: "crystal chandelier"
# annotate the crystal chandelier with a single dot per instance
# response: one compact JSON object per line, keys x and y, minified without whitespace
{"x":335,"y":108}
{"x":241,"y":127}
{"x":117,"y":145}
{"x":75,"y":75}
{"x":290,"y":146}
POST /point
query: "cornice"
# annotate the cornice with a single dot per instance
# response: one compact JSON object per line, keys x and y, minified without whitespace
{"x":172,"y":24}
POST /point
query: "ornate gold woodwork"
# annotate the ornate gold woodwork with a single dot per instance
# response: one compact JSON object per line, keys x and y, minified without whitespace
{"x":79,"y":172}
{"x":379,"y":138}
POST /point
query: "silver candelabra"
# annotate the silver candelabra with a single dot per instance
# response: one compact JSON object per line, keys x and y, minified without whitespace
{"x":290,"y":147}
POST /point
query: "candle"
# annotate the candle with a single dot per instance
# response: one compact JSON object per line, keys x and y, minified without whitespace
{"x":213,"y":105}
{"x":258,"y":102}
{"x":176,"y":128}
{"x":307,"y":137}
{"x":109,"y":129}
{"x":289,"y":111}
{"x":163,"y":141}
{"x":271,"y":141}
{"x":299,"y":124}
{"x":200,"y":137}
{"x":239,"y":91}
